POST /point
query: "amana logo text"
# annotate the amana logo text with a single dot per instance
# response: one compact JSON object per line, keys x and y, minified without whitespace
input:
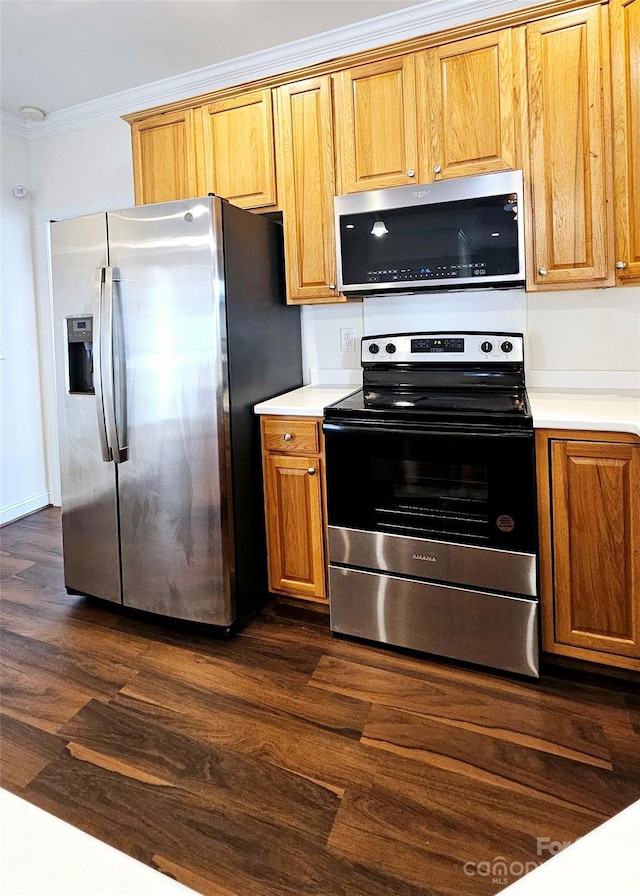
{"x":425,"y":557}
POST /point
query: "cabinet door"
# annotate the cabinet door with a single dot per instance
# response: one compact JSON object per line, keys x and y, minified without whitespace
{"x":237,"y":139}
{"x":376,"y":124}
{"x":596,"y":545}
{"x":625,"y":66}
{"x":306,"y":186}
{"x":164,"y":158}
{"x":569,"y":124}
{"x":295,"y":546}
{"x":467,"y":88}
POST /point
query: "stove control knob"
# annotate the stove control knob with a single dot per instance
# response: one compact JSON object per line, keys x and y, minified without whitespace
{"x":486,"y":347}
{"x":506,"y":347}
{"x":374,"y":348}
{"x":390,"y":348}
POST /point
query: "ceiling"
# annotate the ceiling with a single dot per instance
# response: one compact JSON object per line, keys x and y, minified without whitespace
{"x":57,"y":53}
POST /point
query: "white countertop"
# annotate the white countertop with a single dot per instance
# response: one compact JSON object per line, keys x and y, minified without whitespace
{"x":308,"y":401}
{"x":616,"y":411}
{"x":597,"y":410}
{"x":604,"y":861}
{"x":41,"y":855}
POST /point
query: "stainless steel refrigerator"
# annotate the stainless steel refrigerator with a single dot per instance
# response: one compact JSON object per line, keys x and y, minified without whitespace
{"x":170,"y":324}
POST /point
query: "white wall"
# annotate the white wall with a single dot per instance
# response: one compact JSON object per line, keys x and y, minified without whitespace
{"x":84,"y":170}
{"x":584,"y":339}
{"x":23,"y":480}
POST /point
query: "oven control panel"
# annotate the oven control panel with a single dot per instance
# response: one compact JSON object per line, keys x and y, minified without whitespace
{"x":452,"y":348}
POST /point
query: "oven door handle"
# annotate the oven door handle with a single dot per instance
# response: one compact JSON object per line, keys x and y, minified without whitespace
{"x":377,"y":429}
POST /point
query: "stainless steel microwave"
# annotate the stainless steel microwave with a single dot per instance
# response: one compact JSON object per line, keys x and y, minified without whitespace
{"x":463,"y":233}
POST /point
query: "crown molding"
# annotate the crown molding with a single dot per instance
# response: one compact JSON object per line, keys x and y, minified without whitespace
{"x":424,"y":18}
{"x":12,"y":126}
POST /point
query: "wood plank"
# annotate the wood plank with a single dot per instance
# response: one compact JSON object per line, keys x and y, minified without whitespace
{"x":10,"y":565}
{"x":26,"y":750}
{"x":38,"y":699}
{"x":83,"y":672}
{"x":254,"y":682}
{"x":85,"y":627}
{"x":219,"y":844}
{"x":520,"y":720}
{"x":111,"y":734}
{"x":520,"y":769}
{"x":329,"y":757}
{"x":440,"y":852}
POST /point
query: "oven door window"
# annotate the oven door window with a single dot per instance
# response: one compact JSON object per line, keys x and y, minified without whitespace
{"x":467,"y":489}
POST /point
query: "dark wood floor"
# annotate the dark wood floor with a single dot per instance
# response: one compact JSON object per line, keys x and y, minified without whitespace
{"x":287,"y":761}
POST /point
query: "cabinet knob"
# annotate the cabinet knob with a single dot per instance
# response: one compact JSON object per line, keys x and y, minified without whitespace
{"x":332,"y":286}
{"x":411,"y":173}
{"x":311,"y":471}
{"x":437,"y":169}
{"x":543,"y":272}
{"x":287,"y":436}
{"x":621,"y":265}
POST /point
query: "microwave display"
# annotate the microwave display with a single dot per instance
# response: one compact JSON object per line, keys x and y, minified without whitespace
{"x":462,"y":233}
{"x":470,"y":238}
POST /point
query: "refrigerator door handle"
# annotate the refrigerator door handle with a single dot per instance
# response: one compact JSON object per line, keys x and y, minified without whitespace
{"x":97,"y":367}
{"x":118,"y":450}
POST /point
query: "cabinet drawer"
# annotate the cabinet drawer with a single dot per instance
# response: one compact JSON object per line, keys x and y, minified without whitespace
{"x":294,"y":436}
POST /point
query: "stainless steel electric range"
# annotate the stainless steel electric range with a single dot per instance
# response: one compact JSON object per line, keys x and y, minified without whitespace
{"x":431,"y":500}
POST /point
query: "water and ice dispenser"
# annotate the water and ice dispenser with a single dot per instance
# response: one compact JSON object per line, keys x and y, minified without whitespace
{"x":80,"y":354}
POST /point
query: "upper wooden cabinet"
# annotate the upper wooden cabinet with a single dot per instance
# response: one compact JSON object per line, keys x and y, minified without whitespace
{"x":467,"y":107}
{"x":589,"y":496}
{"x":625,"y":67}
{"x":238,"y":149}
{"x":569,"y":164}
{"x":555,"y":95}
{"x":306,"y":186}
{"x":376,"y":125}
{"x":164,"y":157}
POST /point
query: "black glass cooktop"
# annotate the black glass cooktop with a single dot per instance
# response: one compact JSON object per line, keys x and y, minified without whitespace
{"x":480,"y":407}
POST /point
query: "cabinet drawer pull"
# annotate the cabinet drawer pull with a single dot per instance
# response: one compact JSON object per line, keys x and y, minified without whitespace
{"x":543,"y":272}
{"x":311,"y":471}
{"x":437,"y":169}
{"x":332,"y":286}
{"x":621,"y":265}
{"x":411,"y":173}
{"x":287,"y":436}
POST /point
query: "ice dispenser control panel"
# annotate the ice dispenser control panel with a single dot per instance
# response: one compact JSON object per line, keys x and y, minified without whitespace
{"x":80,"y":355}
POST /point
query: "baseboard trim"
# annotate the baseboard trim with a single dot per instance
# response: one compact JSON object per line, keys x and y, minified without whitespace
{"x":12,"y":512}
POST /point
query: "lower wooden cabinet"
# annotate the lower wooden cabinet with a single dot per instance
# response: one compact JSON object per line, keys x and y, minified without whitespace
{"x":589,"y":510}
{"x":293,"y":470}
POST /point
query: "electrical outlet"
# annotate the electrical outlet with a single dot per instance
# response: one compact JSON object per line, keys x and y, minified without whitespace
{"x":347,"y":339}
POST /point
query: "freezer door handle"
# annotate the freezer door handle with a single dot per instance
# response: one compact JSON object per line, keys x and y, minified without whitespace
{"x":97,"y":366}
{"x":113,"y":359}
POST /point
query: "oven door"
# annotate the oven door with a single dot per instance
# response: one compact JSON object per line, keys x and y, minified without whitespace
{"x":432,"y":541}
{"x":470,"y":489}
